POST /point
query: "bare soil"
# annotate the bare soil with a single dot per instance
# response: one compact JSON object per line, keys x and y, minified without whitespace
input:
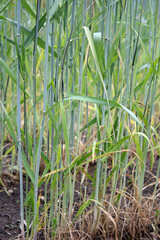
{"x":10,"y":208}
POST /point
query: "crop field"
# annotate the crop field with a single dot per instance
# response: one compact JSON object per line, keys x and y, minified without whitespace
{"x":80,"y":119}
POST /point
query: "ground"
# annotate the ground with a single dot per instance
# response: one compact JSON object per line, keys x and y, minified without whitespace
{"x":10,"y":209}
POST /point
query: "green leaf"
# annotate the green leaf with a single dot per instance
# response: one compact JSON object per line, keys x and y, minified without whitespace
{"x":8,"y":121}
{"x":53,"y":8}
{"x":27,"y":167}
{"x":31,"y":35}
{"x":145,"y":136}
{"x":116,"y":146}
{"x":6,"y":5}
{"x":84,"y":206}
{"x":3,"y":18}
{"x":28,"y":7}
{"x":94,"y":53}
{"x":97,"y":38}
{"x":101,"y":101}
{"x":65,"y":131}
{"x":11,"y":74}
{"x":115,"y":42}
{"x":148,"y":55}
{"x":8,"y":70}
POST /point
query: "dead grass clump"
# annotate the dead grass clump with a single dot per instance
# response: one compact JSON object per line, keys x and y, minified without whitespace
{"x":134,"y":221}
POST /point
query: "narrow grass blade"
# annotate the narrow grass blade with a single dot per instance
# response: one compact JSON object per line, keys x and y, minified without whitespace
{"x":28,"y":7}
{"x":6,"y":5}
{"x":101,"y":101}
{"x":53,"y":9}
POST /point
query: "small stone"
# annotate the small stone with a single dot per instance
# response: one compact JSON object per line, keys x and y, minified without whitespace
{"x":10,"y":191}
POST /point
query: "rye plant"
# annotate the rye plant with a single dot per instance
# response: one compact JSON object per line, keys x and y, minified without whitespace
{"x":87,"y":80}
